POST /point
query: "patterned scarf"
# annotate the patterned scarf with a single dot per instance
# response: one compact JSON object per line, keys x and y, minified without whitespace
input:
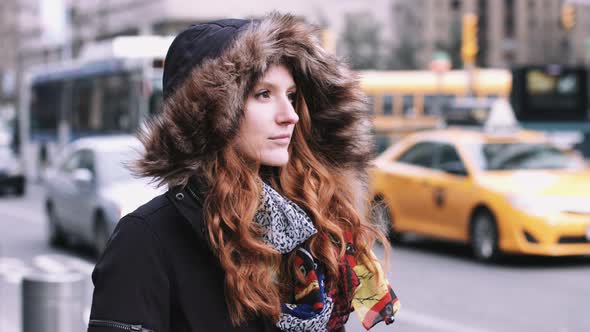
{"x":321,"y":305}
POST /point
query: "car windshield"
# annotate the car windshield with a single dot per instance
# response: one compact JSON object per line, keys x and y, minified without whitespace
{"x":513,"y":156}
{"x":112,"y":165}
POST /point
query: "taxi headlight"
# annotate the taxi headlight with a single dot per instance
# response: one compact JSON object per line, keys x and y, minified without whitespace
{"x":534,"y":205}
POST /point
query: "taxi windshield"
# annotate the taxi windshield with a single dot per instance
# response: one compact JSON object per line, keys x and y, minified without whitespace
{"x":519,"y":156}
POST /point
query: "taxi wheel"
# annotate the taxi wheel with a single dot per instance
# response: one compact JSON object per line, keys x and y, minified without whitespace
{"x":101,"y":236}
{"x":484,"y":236}
{"x":381,"y":216}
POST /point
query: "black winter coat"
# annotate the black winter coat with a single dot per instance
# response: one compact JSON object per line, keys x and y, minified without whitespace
{"x":159,"y":274}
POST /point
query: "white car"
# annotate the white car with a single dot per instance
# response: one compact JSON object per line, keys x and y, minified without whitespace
{"x":89,"y":190}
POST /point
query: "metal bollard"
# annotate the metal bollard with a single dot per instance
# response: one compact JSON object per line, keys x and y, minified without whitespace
{"x":53,"y":302}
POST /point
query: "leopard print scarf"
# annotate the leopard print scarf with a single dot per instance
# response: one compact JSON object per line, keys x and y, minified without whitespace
{"x":287,"y":225}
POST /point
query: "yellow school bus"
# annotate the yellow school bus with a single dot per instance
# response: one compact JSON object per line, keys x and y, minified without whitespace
{"x":408,"y":100}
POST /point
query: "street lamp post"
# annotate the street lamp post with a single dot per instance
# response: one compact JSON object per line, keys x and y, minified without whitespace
{"x":440,"y":64}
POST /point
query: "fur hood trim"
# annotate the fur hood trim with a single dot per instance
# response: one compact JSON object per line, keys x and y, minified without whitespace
{"x":203,"y":114}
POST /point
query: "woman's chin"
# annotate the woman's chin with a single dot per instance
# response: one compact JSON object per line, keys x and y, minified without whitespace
{"x":276,"y":159}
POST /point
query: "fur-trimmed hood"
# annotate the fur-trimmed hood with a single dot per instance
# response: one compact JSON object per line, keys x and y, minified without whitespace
{"x":203,"y":114}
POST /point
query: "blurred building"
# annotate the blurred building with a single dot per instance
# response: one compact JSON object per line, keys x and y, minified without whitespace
{"x":94,"y":20}
{"x":509,"y":31}
{"x":373,"y":34}
{"x":381,"y":34}
{"x":18,"y":25}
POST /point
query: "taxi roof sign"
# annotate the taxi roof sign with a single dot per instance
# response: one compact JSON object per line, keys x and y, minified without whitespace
{"x":501,"y":119}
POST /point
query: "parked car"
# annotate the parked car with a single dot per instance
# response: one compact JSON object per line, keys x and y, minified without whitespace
{"x":510,"y":192}
{"x":90,"y":189}
{"x":11,"y":174}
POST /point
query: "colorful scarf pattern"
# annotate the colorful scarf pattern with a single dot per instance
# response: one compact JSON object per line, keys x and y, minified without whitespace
{"x":368,"y":294}
{"x":318,"y":304}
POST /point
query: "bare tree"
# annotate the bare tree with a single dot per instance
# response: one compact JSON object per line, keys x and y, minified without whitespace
{"x":407,"y":23}
{"x":360,"y":40}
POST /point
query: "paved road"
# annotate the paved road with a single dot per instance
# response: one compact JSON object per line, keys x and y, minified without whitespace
{"x":441,"y":288}
{"x":24,"y":250}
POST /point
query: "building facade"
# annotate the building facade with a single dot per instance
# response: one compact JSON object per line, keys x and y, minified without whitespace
{"x":509,"y":31}
{"x":18,"y":24}
{"x":379,"y":34}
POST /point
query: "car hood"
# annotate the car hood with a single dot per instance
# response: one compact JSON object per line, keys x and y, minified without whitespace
{"x":538,"y":182}
{"x":132,"y":193}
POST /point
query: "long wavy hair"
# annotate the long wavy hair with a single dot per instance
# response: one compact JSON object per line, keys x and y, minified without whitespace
{"x":257,"y":277}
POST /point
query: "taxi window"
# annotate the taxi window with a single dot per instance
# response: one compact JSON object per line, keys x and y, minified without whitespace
{"x":420,"y":154}
{"x":449,"y":160}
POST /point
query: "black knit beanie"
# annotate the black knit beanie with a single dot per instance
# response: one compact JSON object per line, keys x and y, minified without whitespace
{"x":193,"y":45}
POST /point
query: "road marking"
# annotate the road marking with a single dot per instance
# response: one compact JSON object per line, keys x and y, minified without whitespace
{"x":435,"y":323}
{"x":48,"y":263}
{"x":73,"y":263}
{"x":13,"y":270}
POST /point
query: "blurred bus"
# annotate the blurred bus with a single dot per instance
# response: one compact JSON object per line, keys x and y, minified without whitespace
{"x":406,"y":101}
{"x":110,"y":89}
{"x":555,"y":99}
{"x":550,"y":98}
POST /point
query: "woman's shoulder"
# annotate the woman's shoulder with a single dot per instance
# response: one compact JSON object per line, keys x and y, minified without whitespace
{"x":157,"y":229}
{"x":170,"y":210}
{"x":153,"y":210}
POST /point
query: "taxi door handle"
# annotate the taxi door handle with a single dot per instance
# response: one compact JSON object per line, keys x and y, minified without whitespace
{"x":439,"y":196}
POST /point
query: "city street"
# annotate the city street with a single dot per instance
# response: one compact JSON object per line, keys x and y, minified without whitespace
{"x":441,"y":288}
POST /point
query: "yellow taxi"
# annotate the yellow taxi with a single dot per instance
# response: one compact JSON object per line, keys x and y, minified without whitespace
{"x":511,"y":192}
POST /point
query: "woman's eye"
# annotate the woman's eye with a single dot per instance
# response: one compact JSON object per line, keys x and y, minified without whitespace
{"x":291,"y":97}
{"x":263,"y":94}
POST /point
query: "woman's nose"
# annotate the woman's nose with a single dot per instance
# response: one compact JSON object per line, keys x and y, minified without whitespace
{"x":287,"y":114}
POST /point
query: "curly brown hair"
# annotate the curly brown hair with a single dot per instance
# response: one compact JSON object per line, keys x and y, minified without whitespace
{"x":258,"y":278}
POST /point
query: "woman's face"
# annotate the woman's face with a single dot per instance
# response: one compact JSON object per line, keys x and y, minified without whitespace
{"x":269,"y":118}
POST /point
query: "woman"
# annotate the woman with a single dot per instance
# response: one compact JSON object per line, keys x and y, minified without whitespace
{"x":263,"y":143}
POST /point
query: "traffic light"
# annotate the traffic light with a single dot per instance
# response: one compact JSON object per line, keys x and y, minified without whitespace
{"x":568,"y":16}
{"x":469,"y":38}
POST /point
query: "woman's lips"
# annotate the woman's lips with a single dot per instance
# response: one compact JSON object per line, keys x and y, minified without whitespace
{"x":281,"y":139}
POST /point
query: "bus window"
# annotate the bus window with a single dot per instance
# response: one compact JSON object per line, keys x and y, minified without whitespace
{"x":46,"y":105}
{"x":387,"y":105}
{"x":434,"y":104}
{"x":430,"y":105}
{"x":408,"y":105}
{"x":549,"y":93}
{"x":81,"y":104}
{"x":118,"y":106}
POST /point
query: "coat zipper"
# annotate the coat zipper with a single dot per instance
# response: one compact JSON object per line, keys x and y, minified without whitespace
{"x":122,"y":326}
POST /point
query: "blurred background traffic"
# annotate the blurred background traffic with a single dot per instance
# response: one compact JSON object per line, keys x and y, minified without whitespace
{"x":481,"y":120}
